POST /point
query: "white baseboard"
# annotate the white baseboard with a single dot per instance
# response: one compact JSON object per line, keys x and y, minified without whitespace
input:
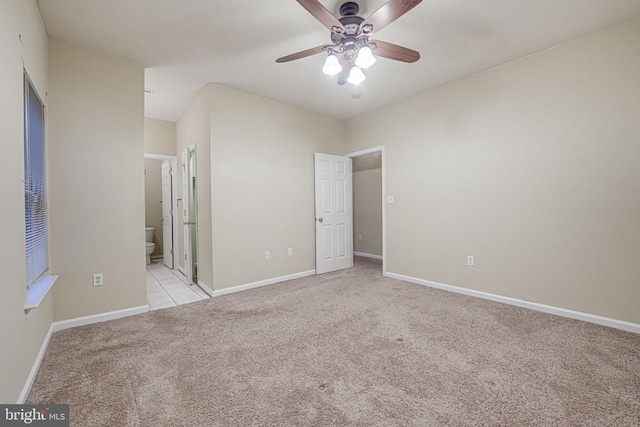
{"x":206,"y":288}
{"x":97,"y":318}
{"x":591,"y":318}
{"x":362,"y":254}
{"x":36,"y":366}
{"x":182,"y":270}
{"x":261,"y":283}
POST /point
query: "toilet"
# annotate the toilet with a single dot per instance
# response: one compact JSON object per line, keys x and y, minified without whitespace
{"x":148,"y":232}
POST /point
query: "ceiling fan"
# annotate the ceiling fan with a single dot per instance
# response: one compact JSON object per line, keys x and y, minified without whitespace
{"x":350,"y":50}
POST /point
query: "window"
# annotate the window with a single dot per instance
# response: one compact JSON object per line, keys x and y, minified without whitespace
{"x":35,"y":196}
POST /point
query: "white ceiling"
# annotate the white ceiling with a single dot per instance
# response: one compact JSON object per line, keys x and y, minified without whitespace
{"x":186,"y":44}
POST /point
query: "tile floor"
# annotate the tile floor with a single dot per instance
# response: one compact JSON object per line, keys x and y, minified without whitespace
{"x":169,"y":288}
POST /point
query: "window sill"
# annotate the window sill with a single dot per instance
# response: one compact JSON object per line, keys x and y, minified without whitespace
{"x":37,"y":292}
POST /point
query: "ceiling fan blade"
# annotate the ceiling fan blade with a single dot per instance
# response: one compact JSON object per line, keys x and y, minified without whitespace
{"x":303,"y":54}
{"x":388,"y":13}
{"x":393,"y":51}
{"x":321,"y":13}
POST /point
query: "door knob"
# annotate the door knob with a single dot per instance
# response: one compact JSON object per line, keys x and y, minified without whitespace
{"x":320,"y":219}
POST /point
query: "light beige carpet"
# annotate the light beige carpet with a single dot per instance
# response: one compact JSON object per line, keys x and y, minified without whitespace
{"x":346,"y":348}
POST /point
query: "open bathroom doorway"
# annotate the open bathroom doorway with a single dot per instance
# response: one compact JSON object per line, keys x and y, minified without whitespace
{"x":160,"y":205}
{"x":190,"y":213}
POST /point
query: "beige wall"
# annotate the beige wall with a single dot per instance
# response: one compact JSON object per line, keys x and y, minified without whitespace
{"x":532,"y":167}
{"x":368,"y":161}
{"x":262,"y":185}
{"x":159,"y":137}
{"x":96,"y":180}
{"x":21,"y":337}
{"x":261,"y":154}
{"x":153,"y":201}
{"x":193,"y":128}
{"x":367,"y":211}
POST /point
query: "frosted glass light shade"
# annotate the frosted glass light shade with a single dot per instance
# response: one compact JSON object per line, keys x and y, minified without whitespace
{"x":332,"y":65}
{"x":365,"y":57}
{"x":356,"y":76}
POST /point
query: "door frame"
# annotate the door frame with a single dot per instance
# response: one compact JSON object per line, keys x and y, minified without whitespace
{"x":361,"y":153}
{"x":174,"y":198}
{"x":186,"y":172}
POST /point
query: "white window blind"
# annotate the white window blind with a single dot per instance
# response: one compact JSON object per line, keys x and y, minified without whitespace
{"x":35,"y":196}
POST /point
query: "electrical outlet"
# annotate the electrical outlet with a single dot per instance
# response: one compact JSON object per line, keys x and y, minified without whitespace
{"x":98,"y":279}
{"x":471,"y":261}
{"x":266,"y":254}
{"x":290,"y":251}
{"x":391,"y":199}
{"x":359,"y":236}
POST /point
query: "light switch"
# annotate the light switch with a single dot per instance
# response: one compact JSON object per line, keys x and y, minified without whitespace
{"x":390,"y":199}
{"x":98,"y":279}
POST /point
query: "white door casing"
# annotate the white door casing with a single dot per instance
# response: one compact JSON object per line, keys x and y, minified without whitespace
{"x":167,"y":215}
{"x":334,"y":212}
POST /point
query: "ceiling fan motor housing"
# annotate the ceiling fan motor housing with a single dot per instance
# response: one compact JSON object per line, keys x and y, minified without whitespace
{"x":350,"y":19}
{"x":349,"y":8}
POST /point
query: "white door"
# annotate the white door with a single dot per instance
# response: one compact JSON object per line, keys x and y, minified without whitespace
{"x":167,"y":215}
{"x":334,"y":213}
{"x":186,"y":224}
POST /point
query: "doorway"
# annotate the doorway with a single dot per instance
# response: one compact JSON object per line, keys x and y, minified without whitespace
{"x":190,"y":213}
{"x":334,"y":213}
{"x":160,"y":205}
{"x":369,"y":204}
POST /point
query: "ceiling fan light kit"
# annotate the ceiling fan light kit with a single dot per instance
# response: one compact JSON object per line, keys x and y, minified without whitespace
{"x":351,"y":50}
{"x":332,"y":65}
{"x":365,"y":58}
{"x":356,"y":76}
